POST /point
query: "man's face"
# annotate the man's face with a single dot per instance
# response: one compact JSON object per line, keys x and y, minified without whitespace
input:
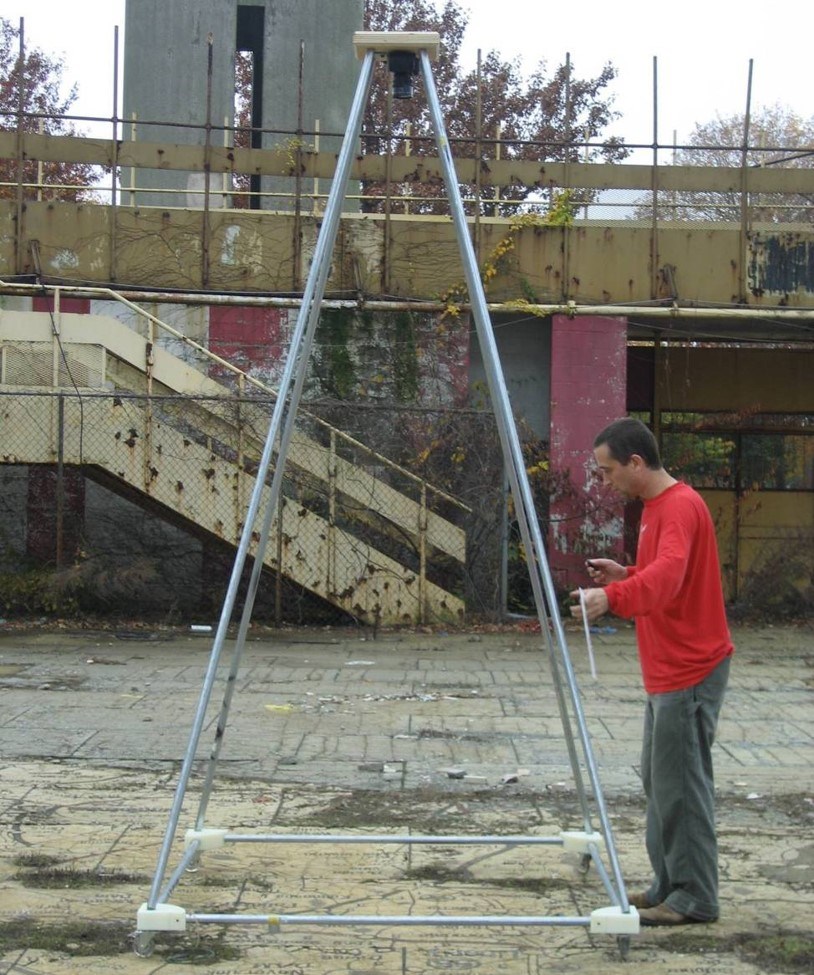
{"x":621,"y":477}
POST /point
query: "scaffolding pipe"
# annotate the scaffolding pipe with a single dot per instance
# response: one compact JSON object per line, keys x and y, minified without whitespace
{"x":571,"y":309}
{"x":406,"y":839}
{"x":19,"y":207}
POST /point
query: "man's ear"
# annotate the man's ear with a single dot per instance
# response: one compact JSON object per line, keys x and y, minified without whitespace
{"x":637,"y":461}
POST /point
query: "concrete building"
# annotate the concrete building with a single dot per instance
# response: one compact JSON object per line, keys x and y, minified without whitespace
{"x":703,"y":328}
{"x":179,"y":85}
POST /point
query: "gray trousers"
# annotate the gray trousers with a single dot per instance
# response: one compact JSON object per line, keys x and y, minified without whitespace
{"x":679,"y":729}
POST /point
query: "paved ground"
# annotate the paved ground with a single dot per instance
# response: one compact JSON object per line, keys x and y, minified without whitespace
{"x":333,"y":732}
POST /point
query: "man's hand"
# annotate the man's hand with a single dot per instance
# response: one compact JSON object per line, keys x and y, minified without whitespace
{"x":596,"y":603}
{"x":603,"y":571}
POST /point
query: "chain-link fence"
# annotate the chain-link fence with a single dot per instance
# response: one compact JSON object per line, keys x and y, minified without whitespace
{"x":354,"y":532}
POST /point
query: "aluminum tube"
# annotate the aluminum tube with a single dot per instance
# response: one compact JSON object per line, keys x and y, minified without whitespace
{"x":568,"y":733}
{"x":220,"y":731}
{"x":398,"y":839}
{"x":390,"y":920}
{"x":285,"y":407}
{"x":189,"y":855}
{"x":310,"y":306}
{"x":617,"y":896}
{"x":212,"y":667}
{"x":542,"y":582}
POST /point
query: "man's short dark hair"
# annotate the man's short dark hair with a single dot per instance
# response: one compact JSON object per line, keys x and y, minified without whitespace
{"x":628,"y":436}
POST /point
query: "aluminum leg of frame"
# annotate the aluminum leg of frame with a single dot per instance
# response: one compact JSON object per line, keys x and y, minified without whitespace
{"x":545,"y":595}
{"x":279,"y":436}
{"x":156,"y":914}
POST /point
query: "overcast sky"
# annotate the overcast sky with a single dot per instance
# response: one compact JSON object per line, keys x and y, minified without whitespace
{"x":703,"y":49}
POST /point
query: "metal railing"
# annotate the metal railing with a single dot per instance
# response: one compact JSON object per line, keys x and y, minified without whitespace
{"x":343,"y":489}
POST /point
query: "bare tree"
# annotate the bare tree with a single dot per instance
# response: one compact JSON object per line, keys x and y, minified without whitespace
{"x":776,"y":138}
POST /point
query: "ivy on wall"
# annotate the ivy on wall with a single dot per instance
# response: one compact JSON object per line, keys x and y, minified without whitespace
{"x":359,"y":354}
{"x":405,"y":358}
{"x":333,"y":365}
{"x":561,"y":214}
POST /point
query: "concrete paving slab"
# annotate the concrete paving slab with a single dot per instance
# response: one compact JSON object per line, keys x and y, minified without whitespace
{"x":330,"y":733}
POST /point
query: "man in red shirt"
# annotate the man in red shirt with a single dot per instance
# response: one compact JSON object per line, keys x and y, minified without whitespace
{"x":674,"y":594}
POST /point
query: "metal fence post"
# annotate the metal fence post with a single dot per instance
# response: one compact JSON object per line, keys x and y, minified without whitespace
{"x":60,"y":500}
{"x":20,"y":209}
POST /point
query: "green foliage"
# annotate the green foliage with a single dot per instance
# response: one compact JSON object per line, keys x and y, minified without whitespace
{"x":357,"y":352}
{"x":703,"y":459}
{"x":334,"y":365}
{"x":37,"y":591}
{"x":562,"y":210}
{"x":560,"y":214}
{"x":405,"y":358}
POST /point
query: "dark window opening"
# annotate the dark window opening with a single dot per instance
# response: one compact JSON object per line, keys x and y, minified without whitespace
{"x":766,"y":452}
{"x":249,"y":97}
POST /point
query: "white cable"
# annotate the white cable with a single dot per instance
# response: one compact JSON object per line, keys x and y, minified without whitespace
{"x":587,"y":633}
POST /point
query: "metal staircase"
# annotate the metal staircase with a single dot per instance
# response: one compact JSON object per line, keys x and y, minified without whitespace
{"x":353,"y":528}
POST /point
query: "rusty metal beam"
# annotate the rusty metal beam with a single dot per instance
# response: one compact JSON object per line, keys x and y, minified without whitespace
{"x":419,"y":169}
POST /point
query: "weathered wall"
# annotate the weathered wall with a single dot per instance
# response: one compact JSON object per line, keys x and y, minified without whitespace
{"x":524,"y":346}
{"x":410,"y":258}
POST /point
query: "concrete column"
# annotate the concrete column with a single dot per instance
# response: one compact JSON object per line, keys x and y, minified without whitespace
{"x":324,"y":32}
{"x":166,"y":58}
{"x":588,"y":391}
{"x":166,"y":80}
{"x":523,"y":346}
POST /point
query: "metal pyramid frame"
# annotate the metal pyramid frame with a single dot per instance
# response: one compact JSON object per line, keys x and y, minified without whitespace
{"x":408,"y":53}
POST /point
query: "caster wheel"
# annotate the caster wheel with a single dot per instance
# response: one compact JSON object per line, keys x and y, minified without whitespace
{"x":623,"y":943}
{"x":143,"y":944}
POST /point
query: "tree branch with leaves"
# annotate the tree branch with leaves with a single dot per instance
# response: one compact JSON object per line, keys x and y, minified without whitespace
{"x":545,"y":116}
{"x":41,"y":109}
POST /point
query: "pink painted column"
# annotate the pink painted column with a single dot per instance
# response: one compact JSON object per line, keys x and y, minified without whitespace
{"x":253,"y":339}
{"x":588,"y":391}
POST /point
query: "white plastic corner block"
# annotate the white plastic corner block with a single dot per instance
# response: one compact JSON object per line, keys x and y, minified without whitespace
{"x":576,"y":841}
{"x":163,"y":917}
{"x":382,"y":42}
{"x":611,"y":920}
{"x":207,"y":839}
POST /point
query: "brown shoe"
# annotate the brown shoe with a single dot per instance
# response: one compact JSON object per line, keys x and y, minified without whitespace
{"x":639,"y":901}
{"x":662,"y":915}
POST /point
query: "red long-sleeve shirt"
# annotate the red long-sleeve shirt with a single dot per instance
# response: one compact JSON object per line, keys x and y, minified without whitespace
{"x":674,"y":592}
